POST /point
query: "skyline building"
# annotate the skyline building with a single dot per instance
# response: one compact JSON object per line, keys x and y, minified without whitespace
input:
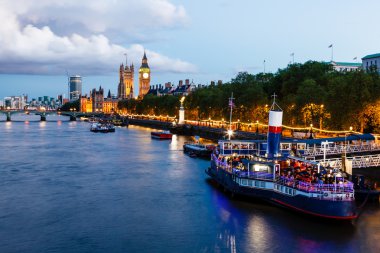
{"x":144,"y":77}
{"x":126,"y":79}
{"x":75,"y":83}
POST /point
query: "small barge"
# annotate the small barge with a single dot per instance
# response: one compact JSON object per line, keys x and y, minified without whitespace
{"x":161,"y":135}
{"x":102,"y":128}
{"x":198,"y":150}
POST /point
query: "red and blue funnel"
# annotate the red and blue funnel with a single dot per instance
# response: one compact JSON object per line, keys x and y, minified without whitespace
{"x":274,"y":131}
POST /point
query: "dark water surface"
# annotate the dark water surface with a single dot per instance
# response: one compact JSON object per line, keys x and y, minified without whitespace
{"x":65,"y":189}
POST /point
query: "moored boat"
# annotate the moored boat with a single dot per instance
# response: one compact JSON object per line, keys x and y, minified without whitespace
{"x":197,"y":149}
{"x":298,"y":188}
{"x":102,"y":128}
{"x":162,"y":135}
{"x":308,"y":187}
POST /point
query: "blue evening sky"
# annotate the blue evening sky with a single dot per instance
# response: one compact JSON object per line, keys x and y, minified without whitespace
{"x":199,"y":40}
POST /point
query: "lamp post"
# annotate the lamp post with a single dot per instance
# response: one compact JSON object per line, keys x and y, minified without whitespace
{"x":311,"y":131}
{"x":257,"y":127}
{"x":321,"y":117}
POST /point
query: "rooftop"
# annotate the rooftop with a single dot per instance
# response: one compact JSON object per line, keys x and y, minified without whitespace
{"x":371,"y":56}
{"x":348,"y":64}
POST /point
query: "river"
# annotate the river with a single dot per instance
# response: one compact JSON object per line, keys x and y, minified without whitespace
{"x":66,"y":189}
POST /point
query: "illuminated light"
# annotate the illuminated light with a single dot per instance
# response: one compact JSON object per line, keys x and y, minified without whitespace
{"x":230,"y":132}
{"x":350,"y":128}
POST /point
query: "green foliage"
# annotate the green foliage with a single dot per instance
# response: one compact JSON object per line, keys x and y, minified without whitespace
{"x":71,"y":105}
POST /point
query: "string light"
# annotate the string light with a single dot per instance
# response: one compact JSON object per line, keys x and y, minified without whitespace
{"x":257,"y":123}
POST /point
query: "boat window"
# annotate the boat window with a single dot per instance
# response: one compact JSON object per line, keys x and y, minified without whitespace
{"x":244,"y":146}
{"x":301,"y":146}
{"x":227,"y":145}
{"x":285,"y":146}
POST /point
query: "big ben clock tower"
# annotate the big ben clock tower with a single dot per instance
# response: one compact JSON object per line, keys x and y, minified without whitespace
{"x":144,"y":77}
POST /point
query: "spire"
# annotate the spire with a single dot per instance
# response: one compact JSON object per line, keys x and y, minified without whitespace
{"x":145,"y":56}
{"x":126,"y":59}
{"x":109,"y":94}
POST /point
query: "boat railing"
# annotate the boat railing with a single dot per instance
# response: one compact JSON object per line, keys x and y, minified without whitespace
{"x":338,"y":188}
{"x":339,"y":149}
{"x":253,"y":174}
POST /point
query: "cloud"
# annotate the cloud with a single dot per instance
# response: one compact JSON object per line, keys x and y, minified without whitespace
{"x":40,"y":37}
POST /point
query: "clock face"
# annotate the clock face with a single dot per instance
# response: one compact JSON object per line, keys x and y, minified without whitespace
{"x":145,"y":75}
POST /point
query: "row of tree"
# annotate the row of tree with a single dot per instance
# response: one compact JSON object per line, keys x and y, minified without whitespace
{"x":309,"y":93}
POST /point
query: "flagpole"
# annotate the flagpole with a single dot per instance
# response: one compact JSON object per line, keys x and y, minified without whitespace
{"x":264,"y":66}
{"x":231,"y":104}
{"x":332,"y":52}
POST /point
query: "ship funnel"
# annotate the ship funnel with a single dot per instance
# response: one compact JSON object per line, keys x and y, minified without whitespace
{"x":274,"y":131}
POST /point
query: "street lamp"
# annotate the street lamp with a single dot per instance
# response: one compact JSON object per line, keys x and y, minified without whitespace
{"x":257,"y":127}
{"x":311,"y":131}
{"x":321,"y":116}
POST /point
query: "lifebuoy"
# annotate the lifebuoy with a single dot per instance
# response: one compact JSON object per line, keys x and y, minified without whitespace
{"x":325,"y":194}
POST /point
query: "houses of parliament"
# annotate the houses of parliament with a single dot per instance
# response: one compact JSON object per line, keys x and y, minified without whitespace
{"x":126,"y":79}
{"x":96,"y":102}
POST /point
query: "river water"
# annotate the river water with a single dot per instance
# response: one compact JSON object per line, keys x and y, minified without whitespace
{"x":66,"y":189}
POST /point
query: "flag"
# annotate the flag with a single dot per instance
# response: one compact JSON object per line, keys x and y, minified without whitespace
{"x":331,"y":46}
{"x":355,"y":58}
{"x":292,"y":54}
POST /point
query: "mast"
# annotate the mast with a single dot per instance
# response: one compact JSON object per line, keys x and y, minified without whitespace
{"x":231,"y":104}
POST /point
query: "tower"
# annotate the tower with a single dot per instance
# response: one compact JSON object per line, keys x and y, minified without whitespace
{"x":274,"y":130}
{"x":144,"y":77}
{"x":126,"y":76}
{"x":75,"y":87}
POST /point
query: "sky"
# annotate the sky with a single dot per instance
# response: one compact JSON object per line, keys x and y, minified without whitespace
{"x":42,"y":40}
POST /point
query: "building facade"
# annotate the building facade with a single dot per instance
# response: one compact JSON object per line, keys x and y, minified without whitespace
{"x":126,"y":77}
{"x":85,"y":104}
{"x":345,"y":66}
{"x":144,"y":77}
{"x":110,"y":105}
{"x":75,"y":83}
{"x":97,"y":99}
{"x":15,"y":102}
{"x":371,"y":62}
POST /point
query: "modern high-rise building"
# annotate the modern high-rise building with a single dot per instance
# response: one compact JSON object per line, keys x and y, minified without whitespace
{"x":126,"y":76}
{"x":75,"y":87}
{"x":144,"y":77}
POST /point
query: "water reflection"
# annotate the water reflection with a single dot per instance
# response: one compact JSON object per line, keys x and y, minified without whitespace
{"x":8,"y":125}
{"x":124,"y":192}
{"x":42,"y":124}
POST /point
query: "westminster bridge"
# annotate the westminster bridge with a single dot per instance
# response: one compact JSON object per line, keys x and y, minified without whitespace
{"x":72,"y":114}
